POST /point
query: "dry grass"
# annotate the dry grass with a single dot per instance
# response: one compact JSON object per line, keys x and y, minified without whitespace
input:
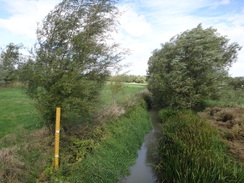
{"x":25,"y":155}
{"x":11,"y":168}
{"x":230,"y":123}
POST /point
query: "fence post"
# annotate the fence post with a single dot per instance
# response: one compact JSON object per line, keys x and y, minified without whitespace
{"x":57,"y":138}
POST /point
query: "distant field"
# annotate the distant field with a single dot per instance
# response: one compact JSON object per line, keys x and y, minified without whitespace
{"x":129,"y":89}
{"x":16,"y":109}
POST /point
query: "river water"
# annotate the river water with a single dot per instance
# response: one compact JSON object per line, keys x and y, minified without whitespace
{"x":141,"y":171}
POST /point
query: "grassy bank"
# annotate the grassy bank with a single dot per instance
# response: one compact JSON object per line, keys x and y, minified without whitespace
{"x":111,"y":152}
{"x":191,"y":151}
{"x":26,"y":146}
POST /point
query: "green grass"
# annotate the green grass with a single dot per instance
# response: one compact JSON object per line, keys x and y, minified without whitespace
{"x":30,"y":150}
{"x":230,"y":98}
{"x":115,"y":152}
{"x":129,"y":90}
{"x":191,"y":151}
{"x":16,"y":111}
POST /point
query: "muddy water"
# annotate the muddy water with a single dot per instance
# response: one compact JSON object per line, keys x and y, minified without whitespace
{"x":142,"y":171}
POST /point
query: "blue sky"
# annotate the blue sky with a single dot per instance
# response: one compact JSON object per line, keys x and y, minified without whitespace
{"x":144,"y":24}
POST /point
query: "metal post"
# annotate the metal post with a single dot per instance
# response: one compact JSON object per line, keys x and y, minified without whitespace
{"x":57,"y":137}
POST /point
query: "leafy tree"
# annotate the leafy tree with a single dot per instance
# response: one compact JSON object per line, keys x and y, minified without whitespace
{"x":10,"y":58}
{"x":72,"y":58}
{"x":116,"y":86}
{"x":236,"y":82}
{"x":191,"y":67}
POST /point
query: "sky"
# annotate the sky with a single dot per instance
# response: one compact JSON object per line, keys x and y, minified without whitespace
{"x":144,"y":24}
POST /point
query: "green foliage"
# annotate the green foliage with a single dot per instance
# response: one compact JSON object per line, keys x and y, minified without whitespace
{"x":116,"y":150}
{"x":116,"y":86}
{"x":72,"y":58}
{"x":167,"y":113}
{"x":191,"y":67}
{"x":28,"y":145}
{"x":237,"y":83}
{"x":190,"y":151}
{"x":10,"y":59}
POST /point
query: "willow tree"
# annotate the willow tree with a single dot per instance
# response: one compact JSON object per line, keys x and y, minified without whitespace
{"x":191,"y":67}
{"x":10,"y":59}
{"x":72,"y":58}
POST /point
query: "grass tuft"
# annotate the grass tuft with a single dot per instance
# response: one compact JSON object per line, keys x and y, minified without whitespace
{"x":190,"y":151}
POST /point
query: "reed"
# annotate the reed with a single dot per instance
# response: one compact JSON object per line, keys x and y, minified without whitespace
{"x":191,"y":151}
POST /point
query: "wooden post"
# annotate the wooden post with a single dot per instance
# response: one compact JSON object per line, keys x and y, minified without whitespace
{"x":57,"y":138}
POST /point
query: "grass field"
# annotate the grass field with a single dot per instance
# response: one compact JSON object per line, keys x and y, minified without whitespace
{"x":17,"y":110}
{"x":128,"y":90}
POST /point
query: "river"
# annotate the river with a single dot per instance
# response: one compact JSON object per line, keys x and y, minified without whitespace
{"x":141,"y":171}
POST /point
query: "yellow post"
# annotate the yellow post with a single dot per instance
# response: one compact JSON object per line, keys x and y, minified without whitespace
{"x":57,"y":137}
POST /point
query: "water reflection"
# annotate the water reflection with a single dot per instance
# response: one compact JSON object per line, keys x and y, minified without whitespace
{"x":142,"y":172}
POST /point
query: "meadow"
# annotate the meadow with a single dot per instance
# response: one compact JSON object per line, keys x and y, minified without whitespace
{"x":28,"y":144}
{"x":18,"y":111}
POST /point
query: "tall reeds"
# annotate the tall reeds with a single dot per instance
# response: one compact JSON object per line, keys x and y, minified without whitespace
{"x":190,"y":151}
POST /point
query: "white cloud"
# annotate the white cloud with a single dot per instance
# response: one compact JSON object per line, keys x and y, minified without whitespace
{"x":133,"y":23}
{"x":169,"y":18}
{"x":144,"y":24}
{"x":224,"y":2}
{"x":237,"y":69}
{"x":25,"y":16}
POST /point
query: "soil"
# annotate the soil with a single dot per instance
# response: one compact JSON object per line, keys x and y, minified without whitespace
{"x":229,"y":121}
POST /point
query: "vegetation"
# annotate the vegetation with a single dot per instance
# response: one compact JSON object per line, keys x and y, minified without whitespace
{"x":112,"y":151}
{"x":192,"y":67}
{"x":121,"y":96}
{"x":129,"y":78}
{"x":191,"y":151}
{"x":28,"y":144}
{"x":72,"y":58}
{"x":237,"y":83}
{"x":17,"y":111}
{"x":10,"y":61}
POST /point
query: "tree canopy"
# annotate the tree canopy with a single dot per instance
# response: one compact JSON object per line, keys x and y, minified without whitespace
{"x":10,"y":59}
{"x":191,"y":67}
{"x":72,"y":57}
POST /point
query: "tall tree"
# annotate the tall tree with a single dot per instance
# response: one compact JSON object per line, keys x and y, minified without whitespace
{"x":10,"y":58}
{"x":72,"y":57}
{"x":191,"y":67}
